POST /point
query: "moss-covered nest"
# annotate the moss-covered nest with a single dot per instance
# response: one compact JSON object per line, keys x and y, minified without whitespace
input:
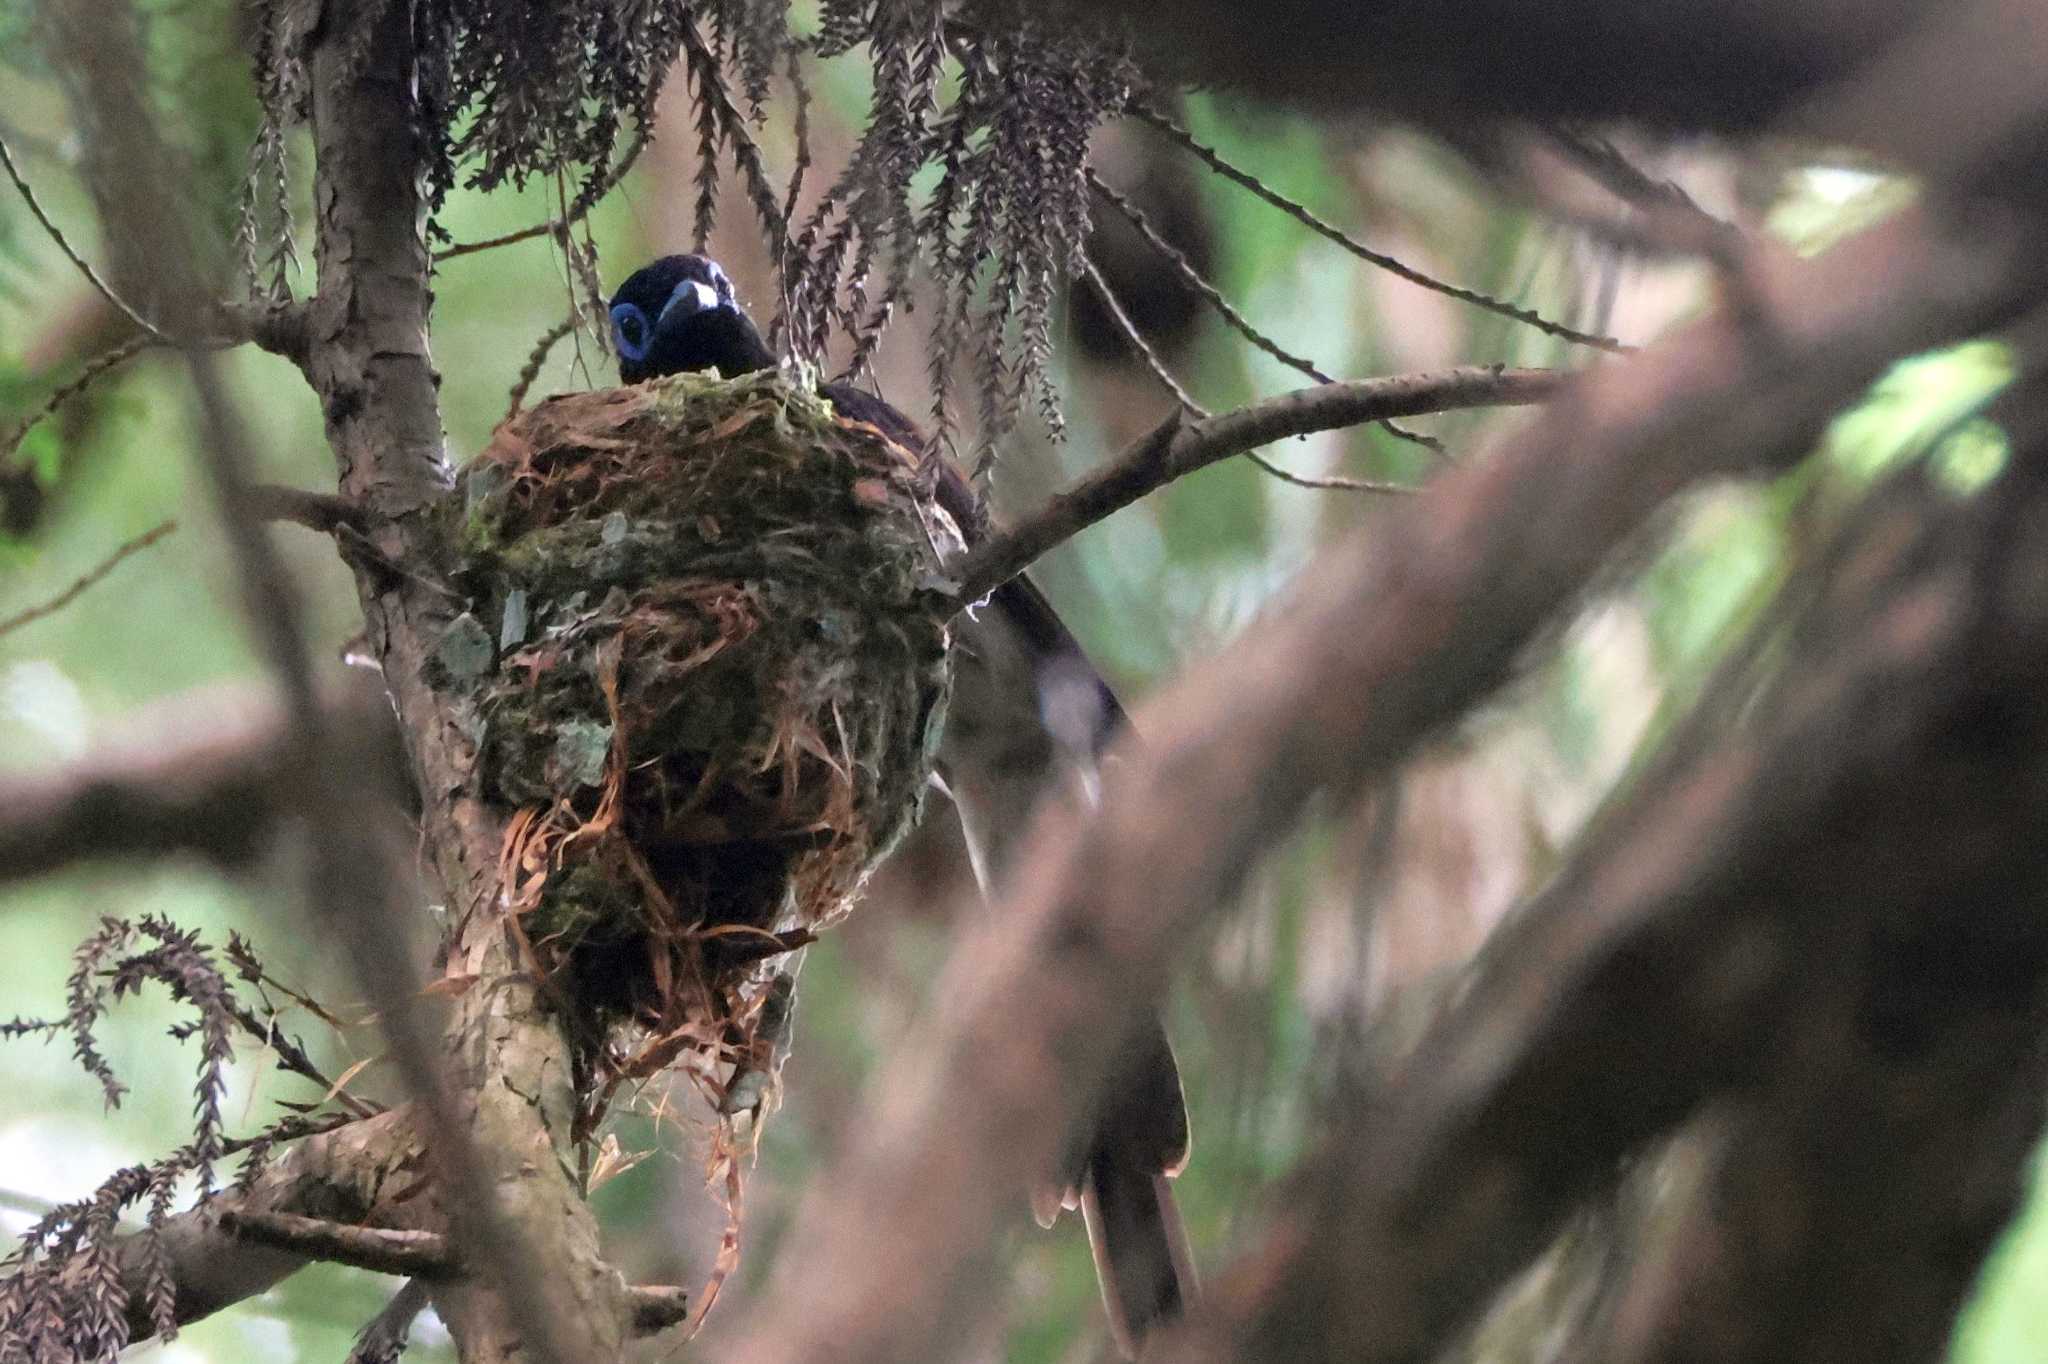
{"x":707,"y":673}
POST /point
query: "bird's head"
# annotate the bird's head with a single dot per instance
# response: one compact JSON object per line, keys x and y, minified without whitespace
{"x":680,"y":314}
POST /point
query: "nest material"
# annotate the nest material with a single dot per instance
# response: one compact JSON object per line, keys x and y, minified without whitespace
{"x":708,"y":673}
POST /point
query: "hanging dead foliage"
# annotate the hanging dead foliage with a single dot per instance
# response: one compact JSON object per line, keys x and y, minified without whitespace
{"x":991,"y":103}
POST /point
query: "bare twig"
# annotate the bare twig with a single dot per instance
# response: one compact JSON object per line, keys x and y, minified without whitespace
{"x":1330,"y":232}
{"x":1172,"y":385}
{"x":1138,"y":343}
{"x":1197,"y":281}
{"x":92,"y":578}
{"x":290,"y":1053}
{"x":1178,"y":447}
{"x":585,"y":201}
{"x":1210,"y":294}
{"x":65,"y":392}
{"x":84,"y":266}
{"x":1326,"y":483}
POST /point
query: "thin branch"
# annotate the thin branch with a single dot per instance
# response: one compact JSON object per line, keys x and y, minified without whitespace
{"x":417,"y":1254}
{"x":585,"y":201}
{"x":291,"y":1055}
{"x":356,"y":1171}
{"x":1179,"y":447}
{"x":56,"y":234}
{"x":1159,"y":371}
{"x":92,"y":578}
{"x":1194,"y":279}
{"x":65,"y":392}
{"x":1328,"y":482}
{"x":1138,"y":343}
{"x":1303,"y":215}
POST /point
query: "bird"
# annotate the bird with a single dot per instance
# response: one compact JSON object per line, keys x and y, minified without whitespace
{"x":1029,"y":713}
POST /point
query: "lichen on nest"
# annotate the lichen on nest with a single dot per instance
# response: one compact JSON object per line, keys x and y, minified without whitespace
{"x":705,"y":668}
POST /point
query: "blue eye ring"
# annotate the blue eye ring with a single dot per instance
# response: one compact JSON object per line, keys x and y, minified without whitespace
{"x":630,"y":332}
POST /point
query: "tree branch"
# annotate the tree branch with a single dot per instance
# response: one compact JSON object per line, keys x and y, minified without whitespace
{"x":363,"y":1172}
{"x":382,"y":1250}
{"x":1390,"y":636}
{"x":1729,"y":934}
{"x":1178,"y":446}
{"x":189,"y":781}
{"x":496,"y":1090}
{"x":326,"y":513}
{"x":651,"y":1308}
{"x":89,"y":579}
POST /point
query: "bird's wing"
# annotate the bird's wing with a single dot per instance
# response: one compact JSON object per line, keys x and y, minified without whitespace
{"x":1029,"y":715}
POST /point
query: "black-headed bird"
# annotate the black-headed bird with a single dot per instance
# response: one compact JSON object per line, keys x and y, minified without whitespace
{"x":1029,"y":712}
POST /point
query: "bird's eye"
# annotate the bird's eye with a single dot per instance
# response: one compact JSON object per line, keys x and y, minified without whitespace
{"x":629,"y":331}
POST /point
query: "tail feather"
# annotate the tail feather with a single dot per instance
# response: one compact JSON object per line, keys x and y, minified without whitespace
{"x":1141,"y":1250}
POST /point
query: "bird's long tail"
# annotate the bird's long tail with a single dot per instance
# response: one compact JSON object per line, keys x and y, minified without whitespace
{"x":1141,"y":1251}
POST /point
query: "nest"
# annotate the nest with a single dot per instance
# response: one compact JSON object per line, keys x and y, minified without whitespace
{"x":706,"y":672}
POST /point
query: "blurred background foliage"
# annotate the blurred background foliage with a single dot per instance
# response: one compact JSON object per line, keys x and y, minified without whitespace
{"x":1365,"y":902}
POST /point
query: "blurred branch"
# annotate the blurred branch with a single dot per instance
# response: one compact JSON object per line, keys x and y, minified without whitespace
{"x":1178,"y":446}
{"x":195,"y":785}
{"x":1877,"y":1140}
{"x":1390,"y":636}
{"x":90,"y":579}
{"x":383,"y":1340}
{"x":1725,"y":65}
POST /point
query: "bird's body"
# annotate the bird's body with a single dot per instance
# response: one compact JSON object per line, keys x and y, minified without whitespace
{"x":1029,"y":711}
